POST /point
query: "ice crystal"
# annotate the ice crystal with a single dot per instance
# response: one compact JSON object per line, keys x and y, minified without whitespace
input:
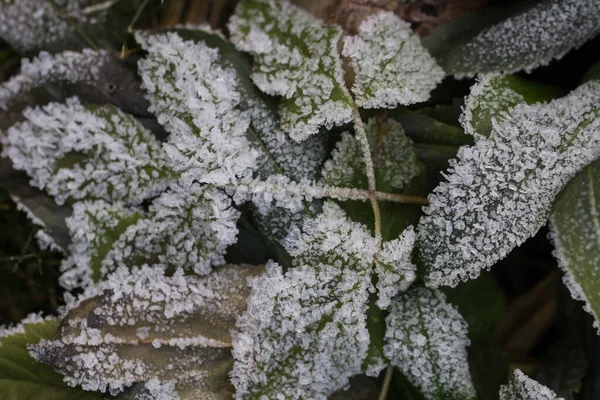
{"x":87,"y":152}
{"x":426,"y":338}
{"x":304,"y":333}
{"x":522,"y":387}
{"x":295,"y":57}
{"x":498,"y":192}
{"x":394,"y":158}
{"x":532,"y":38}
{"x":68,"y":67}
{"x":30,"y":24}
{"x":143,"y":326}
{"x":391,"y":66}
{"x":198,"y":102}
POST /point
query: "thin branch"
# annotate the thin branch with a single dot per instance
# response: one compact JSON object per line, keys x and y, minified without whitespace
{"x":21,"y":258}
{"x":386,"y":382}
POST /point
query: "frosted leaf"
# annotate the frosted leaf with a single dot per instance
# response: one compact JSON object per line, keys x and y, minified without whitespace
{"x":30,"y":24}
{"x":304,"y":333}
{"x":499,"y":192}
{"x":87,"y":152}
{"x":522,"y":387}
{"x":534,"y":37}
{"x":394,"y":158}
{"x":492,"y":96}
{"x":198,"y":101}
{"x":426,"y":338}
{"x":94,"y":226}
{"x":394,"y":268}
{"x":575,"y":232}
{"x":144,"y":326}
{"x":391,"y":66}
{"x":68,"y":67}
{"x":295,"y":57}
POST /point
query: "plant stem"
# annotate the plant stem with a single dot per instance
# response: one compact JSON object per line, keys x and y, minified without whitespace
{"x":386,"y":382}
{"x":23,"y":257}
{"x":137,"y":15}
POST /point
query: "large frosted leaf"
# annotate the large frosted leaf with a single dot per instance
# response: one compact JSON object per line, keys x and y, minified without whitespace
{"x":391,"y":66}
{"x":21,"y":377}
{"x":499,"y":192}
{"x":522,"y":387}
{"x":295,"y":57}
{"x":575,"y":227}
{"x":534,"y":37}
{"x":304,"y":333}
{"x":426,"y":338}
{"x":188,"y":227}
{"x":140,"y":326}
{"x":87,"y":152}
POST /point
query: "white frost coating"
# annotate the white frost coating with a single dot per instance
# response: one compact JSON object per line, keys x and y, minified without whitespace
{"x":426,"y":338}
{"x":392,"y":67}
{"x":309,"y":77}
{"x":46,"y":242}
{"x":488,"y":98}
{"x":68,"y":66}
{"x":394,"y":268}
{"x":33,"y":318}
{"x":522,"y":387}
{"x":87,"y":152}
{"x":499,"y":192}
{"x":30,"y":24}
{"x":544,"y":32}
{"x":198,"y":102}
{"x":304,"y":333}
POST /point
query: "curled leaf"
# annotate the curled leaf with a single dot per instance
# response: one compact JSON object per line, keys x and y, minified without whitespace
{"x":522,"y":387}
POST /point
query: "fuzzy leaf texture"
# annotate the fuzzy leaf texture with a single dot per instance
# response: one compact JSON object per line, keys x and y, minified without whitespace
{"x":575,"y":232}
{"x":499,"y":192}
{"x":141,"y":326}
{"x":426,"y":338}
{"x":391,"y":66}
{"x":527,"y":40}
{"x":522,"y":387}
{"x":21,"y":377}
{"x":296,"y":57}
{"x":76,"y":152}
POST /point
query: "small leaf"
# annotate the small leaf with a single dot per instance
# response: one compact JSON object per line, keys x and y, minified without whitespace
{"x":575,"y":231}
{"x":295,"y":57}
{"x":79,"y":152}
{"x":21,"y":377}
{"x":426,"y":339}
{"x":531,"y":38}
{"x":499,"y":192}
{"x":521,"y":387}
{"x":140,"y":326}
{"x":391,"y":66}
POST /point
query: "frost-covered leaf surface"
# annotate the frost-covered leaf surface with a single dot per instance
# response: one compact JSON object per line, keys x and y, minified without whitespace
{"x":575,"y":232}
{"x":32,"y":24}
{"x":188,"y":227}
{"x":296,"y":57}
{"x":522,"y":387}
{"x":534,"y":37}
{"x":426,"y":338}
{"x":21,"y":377}
{"x":394,"y":158}
{"x":304,"y":333}
{"x":140,"y":326}
{"x":499,"y":192}
{"x":87,"y":152}
{"x":391,"y":66}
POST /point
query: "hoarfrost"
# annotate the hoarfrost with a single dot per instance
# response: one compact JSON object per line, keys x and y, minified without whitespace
{"x":522,"y":387}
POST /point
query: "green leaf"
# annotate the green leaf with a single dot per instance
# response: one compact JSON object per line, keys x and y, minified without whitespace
{"x":531,"y":38}
{"x":78,"y":152}
{"x":575,"y":233}
{"x":499,"y":192}
{"x":521,"y":387}
{"x":141,"y":326}
{"x":494,"y":95}
{"x":426,"y":339}
{"x":425,"y":129}
{"x":295,"y":57}
{"x":390,"y":65}
{"x":21,"y":377}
